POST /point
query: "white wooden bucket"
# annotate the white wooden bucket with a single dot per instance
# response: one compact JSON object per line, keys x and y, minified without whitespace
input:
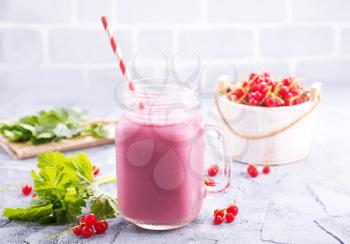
{"x":268,"y":136}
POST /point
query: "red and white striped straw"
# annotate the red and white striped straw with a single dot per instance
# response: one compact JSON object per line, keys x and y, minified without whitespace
{"x":117,"y":53}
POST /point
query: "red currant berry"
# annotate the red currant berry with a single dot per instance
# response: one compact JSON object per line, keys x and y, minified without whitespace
{"x":273,"y":86}
{"x":253,"y":102}
{"x":26,"y":190}
{"x":251,"y":95}
{"x":258,"y":95}
{"x":287,"y":81}
{"x":252,"y":171}
{"x":90,"y":219}
{"x":141,"y":106}
{"x":77,"y":230}
{"x":253,"y":76}
{"x":218,"y":219}
{"x":266,"y":74}
{"x":87,"y":232}
{"x":239,"y":93}
{"x":253,"y":87}
{"x":262,"y":86}
{"x":232,"y":209}
{"x":287,"y":102}
{"x":267,"y":79}
{"x":297,"y":101}
{"x":294,"y":92}
{"x":213,"y":170}
{"x":266,"y":170}
{"x":34,"y":195}
{"x":259,"y":80}
{"x":219,"y":212}
{"x":229,"y":217}
{"x":284,"y":91}
{"x":270,"y":102}
{"x":81,"y":220}
{"x":289,"y":95}
{"x":95,"y":171}
{"x":278,"y":103}
{"x":101,"y":226}
{"x":244,"y":84}
{"x":209,"y":182}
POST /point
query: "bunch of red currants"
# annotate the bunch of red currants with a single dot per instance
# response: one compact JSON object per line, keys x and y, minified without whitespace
{"x":253,"y":171}
{"x":212,"y":171}
{"x":228,"y":213}
{"x":88,"y":225}
{"x":261,"y":90}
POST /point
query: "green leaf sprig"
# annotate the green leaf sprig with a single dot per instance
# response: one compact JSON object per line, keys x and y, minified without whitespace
{"x":64,"y":186}
{"x":50,"y":125}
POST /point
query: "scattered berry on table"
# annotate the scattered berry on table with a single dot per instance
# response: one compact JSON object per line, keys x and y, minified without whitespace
{"x":229,"y":217}
{"x":213,"y":170}
{"x":101,"y":226}
{"x":233,"y":209}
{"x":90,"y":219}
{"x":219,"y":212}
{"x":218,"y":219}
{"x":81,"y":220}
{"x":209,"y":182}
{"x":87,"y":232}
{"x":95,"y":171}
{"x":26,"y":190}
{"x":266,"y":170}
{"x":77,"y":230}
{"x":252,"y":171}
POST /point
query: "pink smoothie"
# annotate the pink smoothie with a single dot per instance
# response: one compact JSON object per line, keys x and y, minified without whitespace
{"x":160,"y":170}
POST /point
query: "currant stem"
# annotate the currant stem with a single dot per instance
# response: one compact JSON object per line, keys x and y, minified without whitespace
{"x":16,"y":184}
{"x":57,"y":234}
{"x":105,"y":180}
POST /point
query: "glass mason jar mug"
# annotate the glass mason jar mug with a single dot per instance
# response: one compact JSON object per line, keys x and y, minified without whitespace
{"x":160,"y":154}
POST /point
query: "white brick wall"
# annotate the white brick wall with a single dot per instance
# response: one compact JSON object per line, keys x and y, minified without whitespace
{"x":345,"y":44}
{"x":218,"y":43}
{"x":38,"y":11}
{"x":47,"y":43}
{"x":296,"y":41}
{"x":14,"y":52}
{"x":246,"y":11}
{"x":321,"y":10}
{"x":90,"y":10}
{"x":158,"y":11}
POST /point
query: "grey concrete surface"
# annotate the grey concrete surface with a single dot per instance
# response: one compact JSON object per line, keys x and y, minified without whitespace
{"x":304,"y":202}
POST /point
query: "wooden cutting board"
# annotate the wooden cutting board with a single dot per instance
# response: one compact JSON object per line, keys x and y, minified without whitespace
{"x":27,"y":150}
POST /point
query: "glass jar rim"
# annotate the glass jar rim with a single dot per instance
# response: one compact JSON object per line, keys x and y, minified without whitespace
{"x":162,"y":99}
{"x":146,"y":90}
{"x":187,"y":87}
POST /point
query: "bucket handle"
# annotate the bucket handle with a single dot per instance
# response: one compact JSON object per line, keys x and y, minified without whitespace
{"x":224,"y":83}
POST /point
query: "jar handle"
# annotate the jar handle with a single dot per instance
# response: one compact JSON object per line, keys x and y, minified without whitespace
{"x":225,"y":161}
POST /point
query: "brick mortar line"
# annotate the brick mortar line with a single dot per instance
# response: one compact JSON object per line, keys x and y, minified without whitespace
{"x":45,"y":46}
{"x":291,"y":61}
{"x":289,"y":11}
{"x":113,"y":16}
{"x":204,"y":11}
{"x":338,"y":36}
{"x":175,"y":26}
